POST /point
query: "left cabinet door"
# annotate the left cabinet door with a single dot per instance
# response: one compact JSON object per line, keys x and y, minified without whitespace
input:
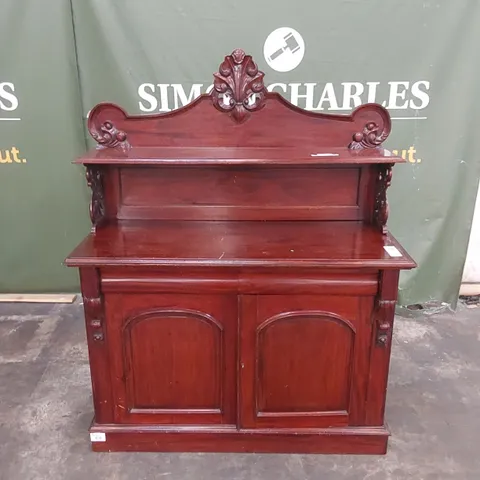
{"x":172,"y":358}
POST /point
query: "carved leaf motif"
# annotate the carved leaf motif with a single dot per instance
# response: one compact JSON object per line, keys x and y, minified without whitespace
{"x":371,"y":137}
{"x":94,"y":178}
{"x":235,"y":84}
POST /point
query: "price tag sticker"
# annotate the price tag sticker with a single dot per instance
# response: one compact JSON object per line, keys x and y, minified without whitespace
{"x":98,"y":437}
{"x":392,"y":251}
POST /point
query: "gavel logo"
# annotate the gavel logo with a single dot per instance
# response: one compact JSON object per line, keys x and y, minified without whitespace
{"x":284,"y":49}
{"x":291,"y":44}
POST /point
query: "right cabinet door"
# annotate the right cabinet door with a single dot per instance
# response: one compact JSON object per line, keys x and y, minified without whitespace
{"x":304,"y":360}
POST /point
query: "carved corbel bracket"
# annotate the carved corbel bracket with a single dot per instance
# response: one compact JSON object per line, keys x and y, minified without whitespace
{"x":94,"y":176}
{"x":384,"y":315}
{"x":381,"y":210}
{"x":238,"y":86}
{"x":95,"y":318}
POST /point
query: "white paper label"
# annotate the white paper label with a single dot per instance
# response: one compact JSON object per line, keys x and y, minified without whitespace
{"x":392,"y":251}
{"x":324,"y":154}
{"x":98,"y":437}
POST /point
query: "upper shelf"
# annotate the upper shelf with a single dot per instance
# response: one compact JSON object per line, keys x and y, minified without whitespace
{"x":237,"y":156}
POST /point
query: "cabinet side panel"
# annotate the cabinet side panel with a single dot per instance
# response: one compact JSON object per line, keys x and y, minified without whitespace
{"x":381,"y":344}
{"x":362,"y":363}
{"x":97,"y":345}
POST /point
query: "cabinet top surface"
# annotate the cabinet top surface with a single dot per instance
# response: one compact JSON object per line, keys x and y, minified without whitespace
{"x":239,"y":244}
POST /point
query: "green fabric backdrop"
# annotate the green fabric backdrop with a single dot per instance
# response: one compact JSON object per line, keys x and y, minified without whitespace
{"x":43,"y":200}
{"x":419,"y":59}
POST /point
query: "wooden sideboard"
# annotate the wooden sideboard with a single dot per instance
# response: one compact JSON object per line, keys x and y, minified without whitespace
{"x":238,"y":293}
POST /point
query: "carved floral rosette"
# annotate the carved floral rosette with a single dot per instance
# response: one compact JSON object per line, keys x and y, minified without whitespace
{"x":102,"y":124}
{"x":108,"y":136}
{"x":375,"y":131}
{"x":372,"y":136}
{"x":235,"y":84}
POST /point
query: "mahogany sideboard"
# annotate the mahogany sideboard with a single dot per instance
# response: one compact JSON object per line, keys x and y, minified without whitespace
{"x":239,"y":281}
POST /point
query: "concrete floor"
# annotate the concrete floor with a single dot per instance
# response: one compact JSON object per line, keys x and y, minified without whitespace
{"x":433,"y":409}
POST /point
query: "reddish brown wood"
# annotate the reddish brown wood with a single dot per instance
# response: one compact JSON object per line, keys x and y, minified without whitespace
{"x":278,"y":124}
{"x":238,"y":86}
{"x":95,"y":179}
{"x":95,"y":321}
{"x":384,"y":179}
{"x":336,"y":440}
{"x":108,"y":136}
{"x":381,"y":346}
{"x":372,"y":135}
{"x":238,"y":296}
{"x":239,"y":244}
{"x":252,"y":156}
{"x":240,"y":193}
{"x":240,"y":280}
{"x":173,"y":358}
{"x":318,"y":344}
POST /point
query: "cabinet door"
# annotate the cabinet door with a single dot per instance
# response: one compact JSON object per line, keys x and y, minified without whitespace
{"x":304,"y":360}
{"x":173,"y":358}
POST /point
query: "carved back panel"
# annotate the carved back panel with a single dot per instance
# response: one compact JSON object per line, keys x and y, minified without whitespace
{"x":239,"y":112}
{"x":239,"y":193}
{"x":251,"y":154}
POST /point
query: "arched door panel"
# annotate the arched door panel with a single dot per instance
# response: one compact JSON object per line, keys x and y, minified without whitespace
{"x":304,"y":360}
{"x":171,"y":359}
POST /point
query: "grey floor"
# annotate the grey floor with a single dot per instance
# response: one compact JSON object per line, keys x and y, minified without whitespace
{"x":433,"y":409}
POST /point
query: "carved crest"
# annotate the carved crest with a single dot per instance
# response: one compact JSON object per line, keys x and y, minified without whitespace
{"x":108,"y":136}
{"x":94,"y":178}
{"x":384,"y":179}
{"x":372,"y":136}
{"x":238,"y":86}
